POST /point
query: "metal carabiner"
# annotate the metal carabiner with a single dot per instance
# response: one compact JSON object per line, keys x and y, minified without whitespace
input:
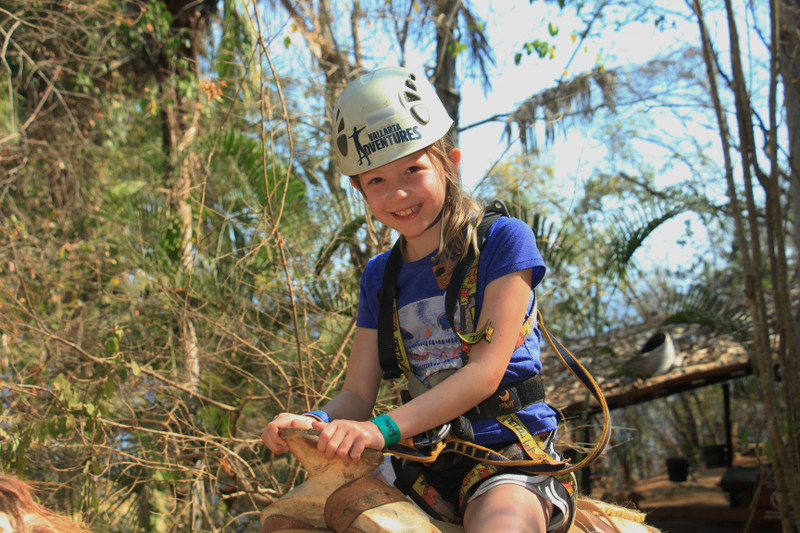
{"x":431,"y":437}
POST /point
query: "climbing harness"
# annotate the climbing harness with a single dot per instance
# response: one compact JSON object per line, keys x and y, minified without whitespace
{"x":462,"y":287}
{"x":506,"y":401}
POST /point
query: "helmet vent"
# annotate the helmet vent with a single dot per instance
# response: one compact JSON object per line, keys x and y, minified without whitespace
{"x":341,"y":138}
{"x":341,"y":144}
{"x":340,"y":126}
{"x":411,"y":94}
{"x":421,"y":114}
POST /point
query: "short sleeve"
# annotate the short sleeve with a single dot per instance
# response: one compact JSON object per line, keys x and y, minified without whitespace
{"x":371,"y":282}
{"x":511,"y":247}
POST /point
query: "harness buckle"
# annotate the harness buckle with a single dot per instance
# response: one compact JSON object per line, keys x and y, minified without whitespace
{"x":431,"y":437}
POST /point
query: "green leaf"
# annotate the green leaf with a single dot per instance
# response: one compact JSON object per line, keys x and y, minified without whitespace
{"x":135,"y":368}
{"x":701,"y":307}
{"x":343,"y":237}
{"x":108,"y":389}
{"x":631,"y":229}
{"x":60,"y":383}
{"x":553,"y":29}
{"x":112,"y":346}
{"x":455,"y":48}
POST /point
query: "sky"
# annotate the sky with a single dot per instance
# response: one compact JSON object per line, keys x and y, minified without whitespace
{"x":575,"y":159}
{"x":509,"y":25}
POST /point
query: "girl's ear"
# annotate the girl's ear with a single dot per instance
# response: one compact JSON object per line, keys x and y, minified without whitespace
{"x":455,"y":156}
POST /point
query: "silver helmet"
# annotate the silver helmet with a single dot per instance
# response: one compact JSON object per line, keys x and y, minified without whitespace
{"x":385,"y":115}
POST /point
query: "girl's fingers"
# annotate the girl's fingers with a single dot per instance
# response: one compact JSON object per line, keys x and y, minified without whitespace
{"x":273,"y":441}
{"x":355,"y":452}
{"x":271,"y":435}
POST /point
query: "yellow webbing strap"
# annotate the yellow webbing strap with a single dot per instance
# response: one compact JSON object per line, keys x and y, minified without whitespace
{"x":583,"y":375}
{"x":405,"y":450}
{"x":466,"y":296}
{"x":532,"y":444}
{"x":397,"y":336}
{"x":539,"y":463}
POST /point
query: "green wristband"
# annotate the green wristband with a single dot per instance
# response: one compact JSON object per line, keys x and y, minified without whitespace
{"x":389,"y":430}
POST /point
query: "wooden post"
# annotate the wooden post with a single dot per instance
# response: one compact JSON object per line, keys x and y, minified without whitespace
{"x":726,"y":406}
{"x":586,"y":471}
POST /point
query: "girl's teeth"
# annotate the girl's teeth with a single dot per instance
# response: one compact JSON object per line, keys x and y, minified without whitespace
{"x":406,"y":212}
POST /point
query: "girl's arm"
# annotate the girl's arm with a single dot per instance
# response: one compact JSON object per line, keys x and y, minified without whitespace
{"x":354,"y":402}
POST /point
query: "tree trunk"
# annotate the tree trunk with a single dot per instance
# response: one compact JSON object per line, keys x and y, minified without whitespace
{"x":788,"y":27}
{"x":444,"y":78}
{"x":756,"y":257}
{"x":788,"y":36}
{"x":179,"y":127}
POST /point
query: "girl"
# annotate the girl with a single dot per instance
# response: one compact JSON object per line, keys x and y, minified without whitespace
{"x":392,"y":138}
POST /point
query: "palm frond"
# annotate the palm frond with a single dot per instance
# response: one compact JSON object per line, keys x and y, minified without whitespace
{"x":157,"y":238}
{"x":631,"y":229}
{"x":554,"y":242}
{"x":344,"y":235}
{"x":552,"y":238}
{"x":239,"y":154}
{"x":701,"y":307}
{"x":572,"y":98}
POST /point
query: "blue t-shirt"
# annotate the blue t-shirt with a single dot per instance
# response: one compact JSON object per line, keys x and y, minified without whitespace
{"x":431,"y":344}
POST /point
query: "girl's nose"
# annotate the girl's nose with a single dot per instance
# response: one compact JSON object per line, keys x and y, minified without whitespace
{"x":399,"y":191}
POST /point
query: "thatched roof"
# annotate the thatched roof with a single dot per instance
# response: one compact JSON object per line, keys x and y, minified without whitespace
{"x":705,"y":357}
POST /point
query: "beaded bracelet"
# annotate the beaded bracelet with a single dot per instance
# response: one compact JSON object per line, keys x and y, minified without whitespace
{"x":389,"y":430}
{"x":322,"y":416}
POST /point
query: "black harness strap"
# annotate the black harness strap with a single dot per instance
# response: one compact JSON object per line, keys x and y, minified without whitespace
{"x":387,"y":295}
{"x":492,"y":212}
{"x":509,"y":398}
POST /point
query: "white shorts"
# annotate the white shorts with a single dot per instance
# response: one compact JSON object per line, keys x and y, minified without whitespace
{"x":548,"y":487}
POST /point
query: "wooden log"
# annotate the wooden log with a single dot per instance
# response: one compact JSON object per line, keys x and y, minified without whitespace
{"x":343,"y":498}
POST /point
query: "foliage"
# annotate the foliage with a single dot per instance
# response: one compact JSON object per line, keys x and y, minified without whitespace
{"x":99,"y":310}
{"x":699,"y":306}
{"x":755,"y":188}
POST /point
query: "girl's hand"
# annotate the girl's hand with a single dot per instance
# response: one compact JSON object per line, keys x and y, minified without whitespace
{"x":271,"y":437}
{"x":347,"y":439}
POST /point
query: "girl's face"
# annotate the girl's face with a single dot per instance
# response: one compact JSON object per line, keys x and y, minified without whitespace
{"x":407,"y":195}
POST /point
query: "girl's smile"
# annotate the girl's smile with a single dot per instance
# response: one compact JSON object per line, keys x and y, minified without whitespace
{"x":408,"y":195}
{"x":408,"y":212}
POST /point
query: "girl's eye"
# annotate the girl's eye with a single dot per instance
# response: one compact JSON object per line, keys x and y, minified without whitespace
{"x":412,"y":170}
{"x":374,"y":181}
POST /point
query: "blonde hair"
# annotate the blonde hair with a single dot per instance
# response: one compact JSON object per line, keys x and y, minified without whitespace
{"x":461,"y":214}
{"x":20,"y":511}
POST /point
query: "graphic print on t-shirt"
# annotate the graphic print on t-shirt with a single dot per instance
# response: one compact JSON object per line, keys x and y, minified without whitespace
{"x":435,"y":347}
